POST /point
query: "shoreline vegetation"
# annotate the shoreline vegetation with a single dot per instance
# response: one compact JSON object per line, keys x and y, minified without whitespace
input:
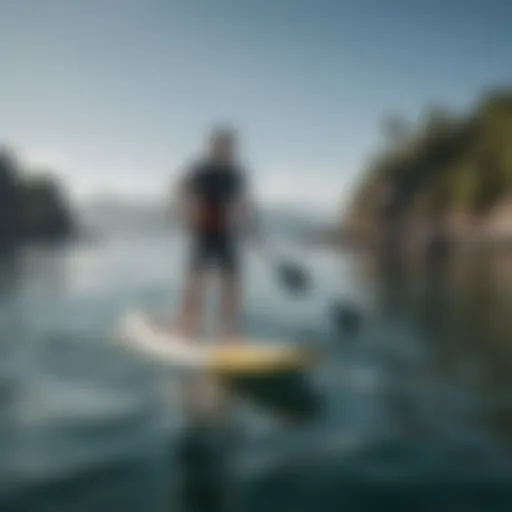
{"x":33,"y":206}
{"x":445,"y":182}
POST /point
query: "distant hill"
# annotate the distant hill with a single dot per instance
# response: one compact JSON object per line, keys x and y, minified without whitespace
{"x":118,"y":216}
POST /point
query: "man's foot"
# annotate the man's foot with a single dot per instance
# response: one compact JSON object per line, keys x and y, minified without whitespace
{"x":181,"y":327}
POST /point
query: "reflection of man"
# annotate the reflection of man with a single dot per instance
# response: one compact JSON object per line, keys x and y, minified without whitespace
{"x":213,"y":199}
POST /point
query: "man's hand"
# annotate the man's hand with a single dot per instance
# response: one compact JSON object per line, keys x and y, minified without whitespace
{"x":246,"y":216}
{"x":181,"y":205}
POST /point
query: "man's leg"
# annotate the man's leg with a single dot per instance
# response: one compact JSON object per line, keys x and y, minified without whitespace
{"x":230,"y":290}
{"x":230,"y":304}
{"x":189,"y":316}
{"x":190,"y":311}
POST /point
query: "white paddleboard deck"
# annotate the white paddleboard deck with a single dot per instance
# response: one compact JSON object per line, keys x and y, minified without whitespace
{"x":144,"y":334}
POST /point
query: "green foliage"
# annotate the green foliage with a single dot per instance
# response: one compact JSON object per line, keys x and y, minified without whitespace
{"x":30,"y":208}
{"x":446,"y":163}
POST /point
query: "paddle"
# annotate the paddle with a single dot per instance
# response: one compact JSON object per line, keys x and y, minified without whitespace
{"x":297,"y":280}
{"x":294,"y":277}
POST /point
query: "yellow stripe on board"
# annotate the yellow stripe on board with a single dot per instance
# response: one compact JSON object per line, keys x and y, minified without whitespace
{"x":242,"y":359}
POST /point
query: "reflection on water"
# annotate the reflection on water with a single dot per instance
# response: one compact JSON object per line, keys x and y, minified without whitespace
{"x":11,"y":319}
{"x":415,"y":411}
{"x":207,"y":479}
{"x":459,"y":308}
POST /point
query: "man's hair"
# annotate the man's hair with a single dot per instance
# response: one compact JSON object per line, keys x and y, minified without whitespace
{"x":223,"y":132}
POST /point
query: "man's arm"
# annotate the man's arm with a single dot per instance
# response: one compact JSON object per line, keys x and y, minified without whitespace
{"x":252,"y":219}
{"x":248,"y":212}
{"x":180,"y":198}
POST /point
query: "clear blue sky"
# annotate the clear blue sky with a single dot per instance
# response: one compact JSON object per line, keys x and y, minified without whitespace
{"x":112,"y":91}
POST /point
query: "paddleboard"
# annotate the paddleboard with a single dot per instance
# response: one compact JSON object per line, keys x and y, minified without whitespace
{"x":272,"y":375}
{"x":240,"y":357}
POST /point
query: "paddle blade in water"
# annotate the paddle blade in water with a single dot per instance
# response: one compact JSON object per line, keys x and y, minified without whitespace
{"x":294,"y":278}
{"x":346,"y":318}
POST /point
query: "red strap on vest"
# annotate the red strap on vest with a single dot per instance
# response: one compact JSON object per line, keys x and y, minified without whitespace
{"x":212,"y":217}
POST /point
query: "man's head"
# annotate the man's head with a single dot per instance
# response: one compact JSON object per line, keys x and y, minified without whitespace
{"x":222,"y":143}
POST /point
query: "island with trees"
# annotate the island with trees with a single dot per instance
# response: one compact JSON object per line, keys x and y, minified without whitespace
{"x":33,"y":206}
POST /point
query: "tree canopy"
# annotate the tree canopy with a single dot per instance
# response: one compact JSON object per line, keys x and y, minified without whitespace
{"x":30,"y":208}
{"x":445,"y":163}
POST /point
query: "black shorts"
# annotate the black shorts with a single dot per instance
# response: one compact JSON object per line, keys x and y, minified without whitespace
{"x":215,"y":249}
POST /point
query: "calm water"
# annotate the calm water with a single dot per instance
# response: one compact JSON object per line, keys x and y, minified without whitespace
{"x":417,"y":410}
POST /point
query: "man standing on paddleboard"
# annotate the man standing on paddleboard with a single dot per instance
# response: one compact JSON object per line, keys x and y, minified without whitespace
{"x":213,"y":202}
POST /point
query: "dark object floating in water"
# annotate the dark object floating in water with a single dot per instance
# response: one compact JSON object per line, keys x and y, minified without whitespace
{"x":346,"y":318}
{"x":295,"y":278}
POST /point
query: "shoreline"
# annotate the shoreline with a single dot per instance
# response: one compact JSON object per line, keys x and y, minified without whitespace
{"x":418,"y":241}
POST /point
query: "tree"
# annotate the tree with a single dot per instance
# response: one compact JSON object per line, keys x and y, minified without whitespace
{"x":30,"y":208}
{"x":451,"y":162}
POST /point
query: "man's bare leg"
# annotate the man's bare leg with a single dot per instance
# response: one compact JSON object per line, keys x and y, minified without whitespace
{"x":230,"y":306}
{"x":189,"y":316}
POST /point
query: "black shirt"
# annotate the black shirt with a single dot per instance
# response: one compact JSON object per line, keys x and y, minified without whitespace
{"x":214,"y":187}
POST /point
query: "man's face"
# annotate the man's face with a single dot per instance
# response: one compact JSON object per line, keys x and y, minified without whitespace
{"x":222,"y":146}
